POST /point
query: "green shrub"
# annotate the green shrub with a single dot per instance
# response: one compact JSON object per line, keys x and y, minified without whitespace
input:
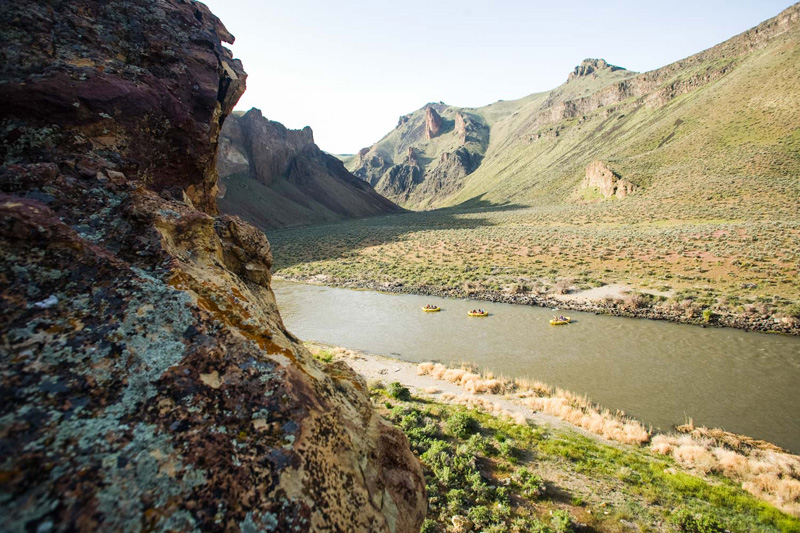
{"x":708,"y":314}
{"x":793,"y":310}
{"x":690,"y":523}
{"x":429,"y":526}
{"x":561,"y":522}
{"x":455,"y":500}
{"x":480,"y":516}
{"x":508,"y":451}
{"x":399,"y":392}
{"x":530,"y":484}
{"x":461,"y":425}
{"x":325,"y":356}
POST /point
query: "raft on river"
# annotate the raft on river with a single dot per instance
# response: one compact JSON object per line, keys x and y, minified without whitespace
{"x":560,"y":321}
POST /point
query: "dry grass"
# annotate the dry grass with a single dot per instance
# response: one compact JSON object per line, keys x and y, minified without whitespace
{"x":765,"y":471}
{"x":563,"y":404}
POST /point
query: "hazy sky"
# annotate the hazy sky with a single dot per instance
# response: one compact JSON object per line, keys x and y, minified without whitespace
{"x":349,"y":69}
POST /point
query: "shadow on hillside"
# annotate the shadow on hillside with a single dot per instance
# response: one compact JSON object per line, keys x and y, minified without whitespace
{"x":479,"y":203}
{"x":293,"y":246}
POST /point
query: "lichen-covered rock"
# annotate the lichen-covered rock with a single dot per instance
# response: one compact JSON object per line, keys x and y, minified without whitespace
{"x":146,"y":379}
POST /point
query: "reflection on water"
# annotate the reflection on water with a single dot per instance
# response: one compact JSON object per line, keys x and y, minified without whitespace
{"x":659,"y":372}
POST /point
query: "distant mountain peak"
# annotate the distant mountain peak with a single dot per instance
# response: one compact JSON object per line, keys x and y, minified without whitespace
{"x":590,"y":67}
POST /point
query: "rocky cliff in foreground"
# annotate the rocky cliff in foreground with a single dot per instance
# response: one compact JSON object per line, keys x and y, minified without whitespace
{"x":275,"y":177}
{"x":147,"y":381}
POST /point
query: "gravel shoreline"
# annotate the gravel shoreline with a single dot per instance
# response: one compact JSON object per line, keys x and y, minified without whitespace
{"x":760,"y":323}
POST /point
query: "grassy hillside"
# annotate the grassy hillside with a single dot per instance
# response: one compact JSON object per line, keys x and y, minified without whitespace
{"x":722,"y":123}
{"x":735,"y":138}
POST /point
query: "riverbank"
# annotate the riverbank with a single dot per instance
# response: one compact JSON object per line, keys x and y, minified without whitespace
{"x":551,"y":471}
{"x":621,"y":305}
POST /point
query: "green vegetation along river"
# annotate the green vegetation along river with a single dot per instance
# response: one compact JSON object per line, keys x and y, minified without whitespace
{"x":660,"y":372}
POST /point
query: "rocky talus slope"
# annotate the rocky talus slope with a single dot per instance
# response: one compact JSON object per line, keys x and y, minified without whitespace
{"x":273,"y":177}
{"x":146,"y":380}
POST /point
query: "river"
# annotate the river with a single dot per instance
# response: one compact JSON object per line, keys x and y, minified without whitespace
{"x":659,"y":372}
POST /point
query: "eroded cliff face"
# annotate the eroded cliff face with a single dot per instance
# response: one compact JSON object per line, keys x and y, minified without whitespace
{"x":433,"y":123}
{"x":147,"y":380}
{"x":426,"y":157}
{"x":608,"y":182}
{"x":275,"y":177}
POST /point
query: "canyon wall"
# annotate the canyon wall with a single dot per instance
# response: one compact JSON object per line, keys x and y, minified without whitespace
{"x":273,"y":176}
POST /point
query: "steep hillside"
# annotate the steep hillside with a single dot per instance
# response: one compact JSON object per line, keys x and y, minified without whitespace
{"x":723,"y":123}
{"x":276,"y":177}
{"x":147,"y":382}
{"x":426,"y":157}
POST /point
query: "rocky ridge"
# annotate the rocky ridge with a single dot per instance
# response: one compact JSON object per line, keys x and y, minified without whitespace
{"x":589,"y":67}
{"x":276,"y":177}
{"x":147,"y":381}
{"x":448,"y":144}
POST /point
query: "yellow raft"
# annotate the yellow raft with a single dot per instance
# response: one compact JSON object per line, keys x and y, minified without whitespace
{"x":485,"y":313}
{"x":431,"y":309}
{"x":557,"y":322}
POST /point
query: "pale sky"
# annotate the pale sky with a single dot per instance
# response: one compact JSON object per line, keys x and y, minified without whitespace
{"x":349,"y":69}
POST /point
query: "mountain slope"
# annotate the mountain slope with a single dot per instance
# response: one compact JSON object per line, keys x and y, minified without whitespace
{"x":723,"y":121}
{"x":426,"y":156}
{"x":276,"y":177}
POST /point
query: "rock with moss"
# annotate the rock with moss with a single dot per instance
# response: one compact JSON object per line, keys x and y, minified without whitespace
{"x":147,"y":380}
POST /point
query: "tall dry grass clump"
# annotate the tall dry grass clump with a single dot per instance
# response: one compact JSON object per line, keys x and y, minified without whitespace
{"x":764,"y":470}
{"x":563,"y":404}
{"x":470,"y":381}
{"x":582,"y":413}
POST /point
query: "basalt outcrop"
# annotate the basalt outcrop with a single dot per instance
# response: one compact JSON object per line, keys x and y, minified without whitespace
{"x":433,"y":123}
{"x":276,"y":177}
{"x":147,"y":381}
{"x":607,"y":181}
{"x":589,"y":67}
{"x":426,"y":157}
